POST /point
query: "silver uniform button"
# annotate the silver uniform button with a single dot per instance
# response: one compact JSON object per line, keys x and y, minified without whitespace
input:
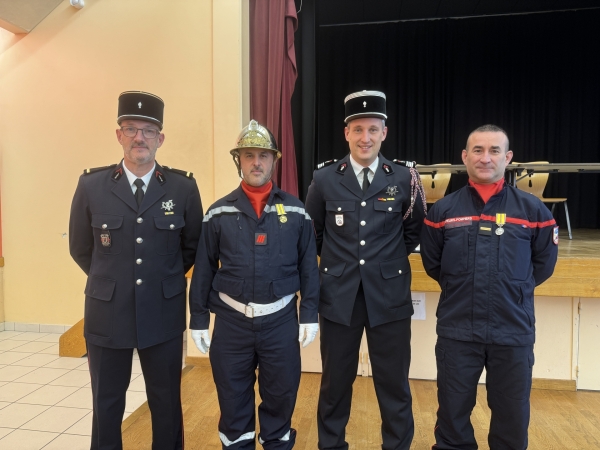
{"x":139,"y":240}
{"x":138,"y":261}
{"x":362,"y":242}
{"x":104,"y":226}
{"x":390,"y":208}
{"x":363,"y":203}
{"x":172,"y":227}
{"x":362,"y":262}
{"x":339,"y":209}
{"x":140,"y":220}
{"x":138,"y":282}
{"x":363,"y":223}
{"x":400,"y":271}
{"x":325,"y":269}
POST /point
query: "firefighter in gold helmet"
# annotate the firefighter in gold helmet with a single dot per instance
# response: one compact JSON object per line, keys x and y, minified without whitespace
{"x":264,"y":241}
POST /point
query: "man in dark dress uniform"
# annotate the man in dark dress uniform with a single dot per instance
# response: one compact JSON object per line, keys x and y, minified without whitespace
{"x":368,"y":214}
{"x":257,"y":250}
{"x":134,"y":231}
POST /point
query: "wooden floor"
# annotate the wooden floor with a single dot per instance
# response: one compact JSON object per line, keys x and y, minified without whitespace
{"x":559,"y":419}
{"x":585,"y":244}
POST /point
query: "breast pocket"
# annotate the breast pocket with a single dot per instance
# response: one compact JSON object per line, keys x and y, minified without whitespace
{"x":456,"y":251}
{"x":388,"y":216}
{"x":289,"y":227}
{"x":341,"y":216}
{"x":108,"y":233}
{"x":168,"y":234}
{"x":514,"y":253}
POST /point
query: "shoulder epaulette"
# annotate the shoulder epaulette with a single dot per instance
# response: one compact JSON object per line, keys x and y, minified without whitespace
{"x":97,"y":169}
{"x":408,"y":164}
{"x":326,"y":163}
{"x":179,"y":171}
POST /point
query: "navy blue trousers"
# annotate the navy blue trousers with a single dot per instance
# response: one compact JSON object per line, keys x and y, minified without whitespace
{"x":389,"y":352}
{"x":110,"y":370}
{"x":235,"y":354}
{"x":508,"y":384}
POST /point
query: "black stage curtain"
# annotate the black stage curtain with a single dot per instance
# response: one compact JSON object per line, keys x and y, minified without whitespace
{"x":535,"y":75}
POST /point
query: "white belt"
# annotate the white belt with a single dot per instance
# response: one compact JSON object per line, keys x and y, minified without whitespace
{"x":255,"y":309}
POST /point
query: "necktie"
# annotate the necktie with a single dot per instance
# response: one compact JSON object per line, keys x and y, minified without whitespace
{"x":139,"y":193}
{"x":366,"y":183}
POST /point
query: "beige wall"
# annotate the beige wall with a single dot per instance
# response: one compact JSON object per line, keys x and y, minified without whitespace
{"x":58,"y":98}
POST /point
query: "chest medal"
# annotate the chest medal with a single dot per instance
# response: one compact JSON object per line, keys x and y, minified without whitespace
{"x":500,"y":221}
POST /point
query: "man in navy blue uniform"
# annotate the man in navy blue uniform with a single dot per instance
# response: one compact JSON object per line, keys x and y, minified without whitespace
{"x":265,"y":244}
{"x":488,"y":245}
{"x":134,"y":231}
{"x":368,"y":214}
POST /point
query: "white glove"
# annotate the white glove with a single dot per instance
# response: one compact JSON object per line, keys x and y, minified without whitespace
{"x":310,"y":329}
{"x":201,"y":340}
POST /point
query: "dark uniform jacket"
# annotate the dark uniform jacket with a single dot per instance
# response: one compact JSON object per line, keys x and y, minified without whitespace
{"x":487,"y":279}
{"x":135,"y":260}
{"x":262,"y":260}
{"x":363,"y":238}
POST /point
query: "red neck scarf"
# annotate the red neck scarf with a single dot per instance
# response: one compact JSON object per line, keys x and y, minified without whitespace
{"x":486,"y":191}
{"x":258,"y":196}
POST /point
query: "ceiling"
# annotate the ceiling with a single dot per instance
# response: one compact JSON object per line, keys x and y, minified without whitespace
{"x":331,"y":12}
{"x":21,"y":16}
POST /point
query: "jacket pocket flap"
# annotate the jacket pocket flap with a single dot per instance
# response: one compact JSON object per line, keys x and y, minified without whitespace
{"x":287,"y":285}
{"x":106,"y":221}
{"x":340,"y":206}
{"x":332,"y":266}
{"x":394,"y":267}
{"x":173,"y":222}
{"x":174,"y":285}
{"x":392,"y":207}
{"x":232,"y":286}
{"x":100,"y":288}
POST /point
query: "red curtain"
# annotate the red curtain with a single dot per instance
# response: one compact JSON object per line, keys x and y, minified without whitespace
{"x":273,"y":74}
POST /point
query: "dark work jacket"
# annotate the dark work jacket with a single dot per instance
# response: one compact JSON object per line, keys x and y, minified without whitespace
{"x":488,"y":279}
{"x":285,"y":263}
{"x":363,"y":238}
{"x":119,"y":313}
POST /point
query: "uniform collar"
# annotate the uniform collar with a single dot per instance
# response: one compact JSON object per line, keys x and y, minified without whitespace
{"x":131,"y":177}
{"x":239,"y":192}
{"x":358,"y":168}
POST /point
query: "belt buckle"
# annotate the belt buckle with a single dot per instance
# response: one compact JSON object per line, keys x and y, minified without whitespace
{"x":249,"y":311}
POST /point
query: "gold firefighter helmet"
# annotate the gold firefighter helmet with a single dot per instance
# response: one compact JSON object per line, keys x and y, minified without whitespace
{"x":254,"y":135}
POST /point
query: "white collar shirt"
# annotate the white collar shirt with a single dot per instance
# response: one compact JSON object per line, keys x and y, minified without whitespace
{"x":131,"y":177}
{"x":358,"y":170}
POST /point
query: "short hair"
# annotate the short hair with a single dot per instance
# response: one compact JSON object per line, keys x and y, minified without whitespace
{"x":489,"y":128}
{"x":382,"y":121}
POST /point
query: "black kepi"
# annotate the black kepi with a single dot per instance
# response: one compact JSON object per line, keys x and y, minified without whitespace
{"x":138,"y":105}
{"x":365,"y":104}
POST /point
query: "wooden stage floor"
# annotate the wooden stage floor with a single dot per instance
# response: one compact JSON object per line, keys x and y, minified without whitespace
{"x":585,"y":244}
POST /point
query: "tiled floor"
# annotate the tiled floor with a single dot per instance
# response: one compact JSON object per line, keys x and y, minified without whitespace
{"x":46,"y":400}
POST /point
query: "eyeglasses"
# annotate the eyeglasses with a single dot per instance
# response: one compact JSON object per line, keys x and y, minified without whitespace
{"x":149,"y":133}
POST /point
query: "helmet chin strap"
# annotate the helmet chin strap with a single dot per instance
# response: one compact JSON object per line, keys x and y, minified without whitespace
{"x":236,"y":160}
